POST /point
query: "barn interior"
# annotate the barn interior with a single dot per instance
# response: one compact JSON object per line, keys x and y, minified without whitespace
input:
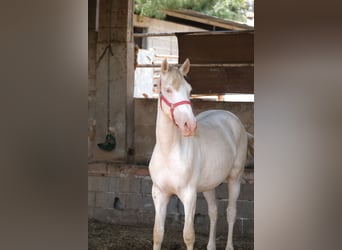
{"x":121,"y":126}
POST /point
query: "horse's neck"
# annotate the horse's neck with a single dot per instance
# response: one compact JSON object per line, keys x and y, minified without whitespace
{"x":167,"y":134}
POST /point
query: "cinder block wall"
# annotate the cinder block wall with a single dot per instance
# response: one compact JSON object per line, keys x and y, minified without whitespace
{"x":121,"y":194}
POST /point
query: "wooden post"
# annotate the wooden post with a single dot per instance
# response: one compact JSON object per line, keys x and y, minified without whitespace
{"x":115,"y":57}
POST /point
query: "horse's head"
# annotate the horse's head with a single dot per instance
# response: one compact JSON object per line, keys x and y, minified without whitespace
{"x":175,"y":97}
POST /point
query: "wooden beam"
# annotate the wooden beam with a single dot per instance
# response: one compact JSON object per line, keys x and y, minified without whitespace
{"x":154,"y":34}
{"x":197,"y":65}
{"x":201,"y":18}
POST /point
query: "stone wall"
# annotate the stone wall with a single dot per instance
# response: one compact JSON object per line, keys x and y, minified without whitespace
{"x":121,"y":194}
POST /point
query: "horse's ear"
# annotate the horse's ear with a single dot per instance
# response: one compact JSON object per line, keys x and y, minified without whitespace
{"x":185,"y":67}
{"x":164,"y":66}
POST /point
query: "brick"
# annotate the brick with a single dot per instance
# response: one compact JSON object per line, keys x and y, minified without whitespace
{"x":222,"y":206}
{"x":129,"y":185}
{"x":97,"y":169}
{"x":90,"y":212}
{"x":105,"y":200}
{"x":146,"y":186}
{"x":202,"y":223}
{"x":134,"y":201}
{"x":222,"y":225}
{"x":201,"y":206}
{"x":114,"y":184}
{"x":238,"y":228}
{"x":98,"y":183}
{"x":245,"y":209}
{"x":114,"y":170}
{"x":148,"y":203}
{"x":222,"y":228}
{"x":91,"y":199}
{"x":247,"y":192}
{"x":173,"y":207}
{"x":248,"y":228}
{"x":222,"y":191}
{"x":175,"y":221}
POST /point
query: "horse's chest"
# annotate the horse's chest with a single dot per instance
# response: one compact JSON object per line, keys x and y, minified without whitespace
{"x":171,"y":177}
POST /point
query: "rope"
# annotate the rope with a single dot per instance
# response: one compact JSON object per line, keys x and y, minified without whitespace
{"x":108,"y":68}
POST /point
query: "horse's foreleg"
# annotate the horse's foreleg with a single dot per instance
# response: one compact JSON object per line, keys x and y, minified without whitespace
{"x":189,"y":201}
{"x":160,"y":200}
{"x":234,"y":191}
{"x":210,"y":196}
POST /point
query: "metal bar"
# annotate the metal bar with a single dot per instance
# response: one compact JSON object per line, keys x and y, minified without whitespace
{"x":200,"y":65}
{"x":154,"y":34}
{"x":168,"y":56}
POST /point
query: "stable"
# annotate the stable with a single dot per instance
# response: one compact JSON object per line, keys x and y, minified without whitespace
{"x":122,"y":128}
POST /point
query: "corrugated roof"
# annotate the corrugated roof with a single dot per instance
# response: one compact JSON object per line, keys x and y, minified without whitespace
{"x":198,"y":17}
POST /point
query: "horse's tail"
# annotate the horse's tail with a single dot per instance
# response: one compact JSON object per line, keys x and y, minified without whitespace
{"x":250,"y":150}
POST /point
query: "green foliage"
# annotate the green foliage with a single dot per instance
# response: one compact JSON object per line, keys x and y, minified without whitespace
{"x":150,"y":8}
{"x":228,"y":9}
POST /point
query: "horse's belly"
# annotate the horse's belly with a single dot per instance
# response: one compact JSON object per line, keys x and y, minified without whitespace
{"x":217,"y":158}
{"x":214,"y":175}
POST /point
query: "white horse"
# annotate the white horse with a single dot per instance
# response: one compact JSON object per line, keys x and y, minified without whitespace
{"x":193,"y":155}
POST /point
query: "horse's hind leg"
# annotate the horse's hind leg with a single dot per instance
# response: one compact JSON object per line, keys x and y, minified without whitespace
{"x":234,"y":180}
{"x":234,"y":191}
{"x":210,"y":196}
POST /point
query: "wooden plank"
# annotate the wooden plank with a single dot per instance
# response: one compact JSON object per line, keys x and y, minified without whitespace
{"x":222,"y":48}
{"x":221,"y":80}
{"x":216,"y":48}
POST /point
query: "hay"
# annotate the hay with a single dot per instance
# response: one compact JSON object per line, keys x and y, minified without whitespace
{"x":104,"y":236}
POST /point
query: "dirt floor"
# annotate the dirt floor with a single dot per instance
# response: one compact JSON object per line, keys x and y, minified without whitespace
{"x":103,"y":236}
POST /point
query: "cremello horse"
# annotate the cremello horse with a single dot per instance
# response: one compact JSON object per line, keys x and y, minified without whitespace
{"x":193,"y":155}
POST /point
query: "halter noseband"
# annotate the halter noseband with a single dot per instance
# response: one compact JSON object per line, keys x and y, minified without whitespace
{"x":171,"y":105}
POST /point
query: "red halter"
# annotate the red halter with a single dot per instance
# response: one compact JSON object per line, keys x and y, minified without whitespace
{"x":171,"y":105}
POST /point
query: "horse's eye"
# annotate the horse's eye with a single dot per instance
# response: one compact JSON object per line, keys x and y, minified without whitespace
{"x":168,"y":90}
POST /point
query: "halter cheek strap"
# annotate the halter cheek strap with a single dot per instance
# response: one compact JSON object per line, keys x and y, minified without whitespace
{"x":171,"y":105}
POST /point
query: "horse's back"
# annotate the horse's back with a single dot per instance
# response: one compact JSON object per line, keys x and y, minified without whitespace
{"x":220,"y":114}
{"x":220,"y":120}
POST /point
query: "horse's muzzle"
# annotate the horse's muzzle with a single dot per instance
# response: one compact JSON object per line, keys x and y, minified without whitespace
{"x":189,"y":128}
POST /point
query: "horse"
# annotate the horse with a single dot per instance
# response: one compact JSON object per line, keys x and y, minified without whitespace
{"x":193,"y":154}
